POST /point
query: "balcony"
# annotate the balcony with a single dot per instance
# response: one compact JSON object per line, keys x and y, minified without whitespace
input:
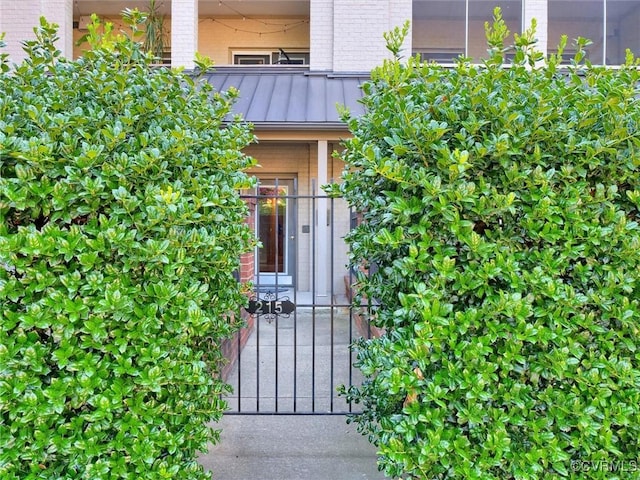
{"x":241,"y":32}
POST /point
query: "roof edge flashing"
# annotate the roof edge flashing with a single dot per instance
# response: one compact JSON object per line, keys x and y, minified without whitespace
{"x":317,"y":126}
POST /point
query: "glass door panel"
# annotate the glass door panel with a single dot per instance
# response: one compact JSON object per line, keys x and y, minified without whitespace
{"x":272,"y":226}
{"x":275,"y":226}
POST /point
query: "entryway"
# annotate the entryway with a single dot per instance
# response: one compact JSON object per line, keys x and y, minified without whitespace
{"x":302,"y":323}
{"x":286,"y":420}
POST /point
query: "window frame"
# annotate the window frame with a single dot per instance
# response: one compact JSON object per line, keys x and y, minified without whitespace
{"x":271,"y":56}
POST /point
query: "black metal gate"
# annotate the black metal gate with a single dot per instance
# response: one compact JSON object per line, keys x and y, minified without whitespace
{"x":296,"y":349}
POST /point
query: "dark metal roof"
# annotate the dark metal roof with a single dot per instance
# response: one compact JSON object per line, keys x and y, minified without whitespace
{"x":290,"y":97}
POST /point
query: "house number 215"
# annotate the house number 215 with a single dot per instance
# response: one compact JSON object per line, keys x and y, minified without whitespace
{"x":270,"y":307}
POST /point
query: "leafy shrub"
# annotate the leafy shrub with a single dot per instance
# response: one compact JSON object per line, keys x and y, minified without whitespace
{"x":500,"y":211}
{"x":120,"y":231}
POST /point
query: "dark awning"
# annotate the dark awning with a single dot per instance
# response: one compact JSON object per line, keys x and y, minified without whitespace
{"x":290,"y":97}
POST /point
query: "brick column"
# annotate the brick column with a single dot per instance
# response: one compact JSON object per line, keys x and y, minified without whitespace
{"x":19,"y":18}
{"x":537,"y":9}
{"x":184,"y":33}
{"x":358,"y":43}
{"x":401,"y":11}
{"x":61,"y":12}
{"x":321,"y":33}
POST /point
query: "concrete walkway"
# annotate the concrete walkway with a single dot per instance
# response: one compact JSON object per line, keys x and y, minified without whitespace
{"x":290,"y":447}
{"x":306,"y":356}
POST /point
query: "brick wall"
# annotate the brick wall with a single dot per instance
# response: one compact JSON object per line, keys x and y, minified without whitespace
{"x":184,"y":33}
{"x":247,"y":260}
{"x":61,"y":12}
{"x":348,"y":39}
{"x":401,"y":11}
{"x":537,"y":9}
{"x":321,"y":33}
{"x":19,"y":17}
{"x":357,"y":34}
{"x":232,"y":347}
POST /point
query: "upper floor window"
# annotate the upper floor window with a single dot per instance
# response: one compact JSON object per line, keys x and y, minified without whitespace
{"x":270,"y":57}
{"x":446,"y":29}
{"x":612,"y":26}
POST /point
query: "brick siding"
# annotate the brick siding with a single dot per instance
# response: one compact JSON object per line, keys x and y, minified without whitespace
{"x":18,"y":18}
{"x":184,"y":33}
{"x":537,"y":9}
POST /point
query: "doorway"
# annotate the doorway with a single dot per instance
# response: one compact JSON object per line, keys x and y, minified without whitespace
{"x":296,"y":351}
{"x":276,"y":228}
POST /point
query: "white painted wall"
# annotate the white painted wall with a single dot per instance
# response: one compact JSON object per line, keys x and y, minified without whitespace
{"x":348,"y":37}
{"x":18,"y":18}
{"x":537,"y":9}
{"x":321,"y":33}
{"x":184,"y":33}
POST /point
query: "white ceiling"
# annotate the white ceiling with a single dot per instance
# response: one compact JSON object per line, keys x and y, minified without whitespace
{"x":219,"y":8}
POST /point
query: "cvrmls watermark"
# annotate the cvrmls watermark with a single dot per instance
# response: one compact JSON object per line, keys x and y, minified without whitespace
{"x":605,"y":466}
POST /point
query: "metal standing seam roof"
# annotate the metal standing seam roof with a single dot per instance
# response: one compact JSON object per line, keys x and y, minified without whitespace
{"x":290,"y":97}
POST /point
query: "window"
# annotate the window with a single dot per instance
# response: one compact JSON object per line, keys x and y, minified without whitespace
{"x":270,"y":57}
{"x":577,"y":18}
{"x":612,"y":26}
{"x":445,"y":29}
{"x":481,"y":11}
{"x":622,"y":30}
{"x":441,"y":55}
{"x":568,"y":54}
{"x":251,"y":59}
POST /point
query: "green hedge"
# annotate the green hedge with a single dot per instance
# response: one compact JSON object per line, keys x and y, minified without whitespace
{"x":500,"y":211}
{"x":120,"y":231}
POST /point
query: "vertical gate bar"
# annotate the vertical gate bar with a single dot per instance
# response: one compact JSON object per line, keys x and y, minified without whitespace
{"x":466,"y":28}
{"x":258,"y":358}
{"x":239,"y":360}
{"x":295,"y":295}
{"x":313,"y":357}
{"x":331,"y":299}
{"x":258,"y":316}
{"x":351,"y":316}
{"x":313,"y":297}
{"x":295,"y":353}
{"x":276,"y":266}
{"x":604,"y":33}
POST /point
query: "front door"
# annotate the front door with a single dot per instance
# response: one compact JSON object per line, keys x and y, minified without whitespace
{"x":275,"y":225}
